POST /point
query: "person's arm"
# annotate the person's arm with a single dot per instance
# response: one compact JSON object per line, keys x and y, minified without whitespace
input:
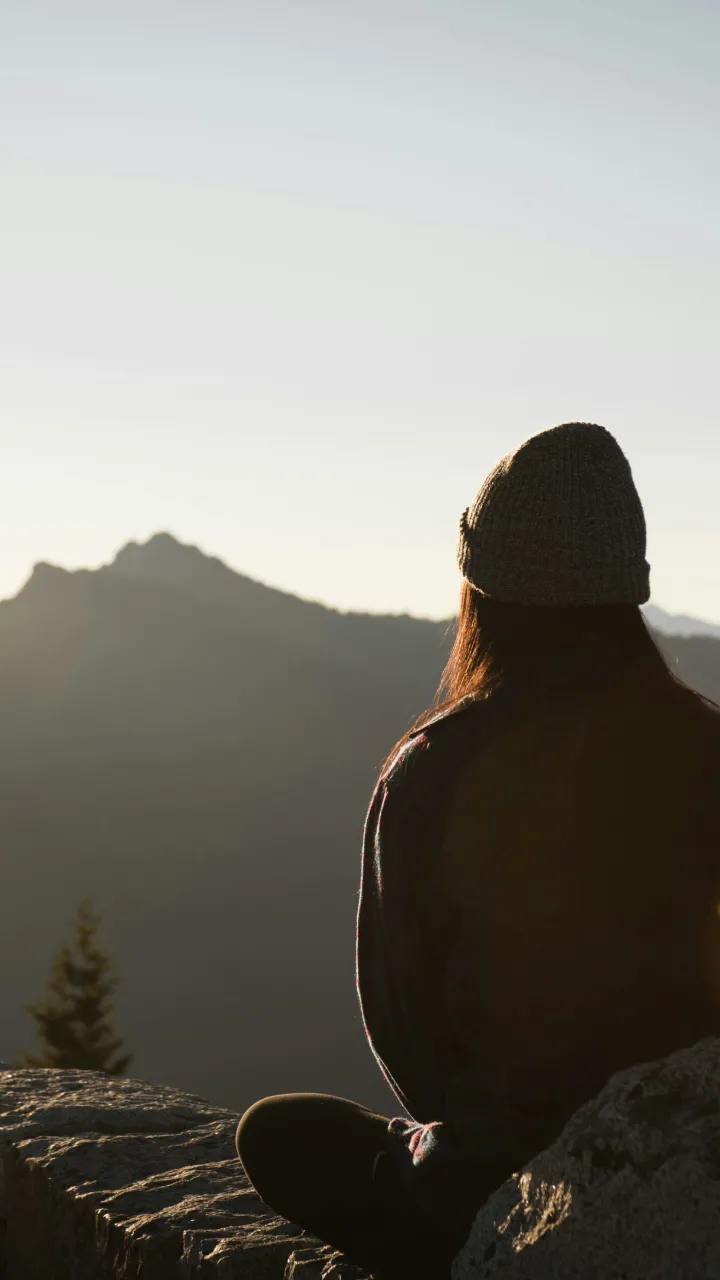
{"x":453,"y":1150}
{"x":399,"y":966}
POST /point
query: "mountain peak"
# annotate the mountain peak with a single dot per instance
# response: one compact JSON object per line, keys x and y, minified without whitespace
{"x":161,"y":544}
{"x":44,"y":575}
{"x":163,"y":557}
{"x":46,"y":569}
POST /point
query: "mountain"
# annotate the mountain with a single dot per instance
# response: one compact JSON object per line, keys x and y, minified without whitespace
{"x":196,"y":751}
{"x":679,"y":624}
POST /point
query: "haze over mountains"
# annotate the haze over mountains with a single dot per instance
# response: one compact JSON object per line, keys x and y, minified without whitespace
{"x":197,"y":751}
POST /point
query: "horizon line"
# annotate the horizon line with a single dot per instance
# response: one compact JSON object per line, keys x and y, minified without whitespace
{"x":164,"y":535}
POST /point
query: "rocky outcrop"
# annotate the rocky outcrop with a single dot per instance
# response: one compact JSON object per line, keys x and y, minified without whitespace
{"x":629,"y":1191}
{"x":107,"y":1178}
{"x":110,"y":1179}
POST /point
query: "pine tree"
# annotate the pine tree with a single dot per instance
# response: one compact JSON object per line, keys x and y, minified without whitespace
{"x":74,"y":1022}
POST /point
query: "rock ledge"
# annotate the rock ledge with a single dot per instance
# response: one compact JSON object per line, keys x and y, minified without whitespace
{"x":107,"y":1178}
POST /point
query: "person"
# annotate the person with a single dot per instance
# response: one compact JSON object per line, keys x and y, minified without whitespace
{"x":540,"y":876}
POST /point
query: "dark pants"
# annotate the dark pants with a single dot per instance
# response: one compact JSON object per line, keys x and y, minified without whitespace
{"x":311,"y":1157}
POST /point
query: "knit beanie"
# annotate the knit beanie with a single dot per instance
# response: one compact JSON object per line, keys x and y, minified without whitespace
{"x":558,"y":522}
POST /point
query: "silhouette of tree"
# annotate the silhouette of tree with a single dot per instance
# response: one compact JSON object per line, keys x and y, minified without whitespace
{"x":74,"y":1022}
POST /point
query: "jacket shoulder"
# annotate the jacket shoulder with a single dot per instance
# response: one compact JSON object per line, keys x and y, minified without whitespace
{"x":463,"y":705}
{"x":415,"y":756}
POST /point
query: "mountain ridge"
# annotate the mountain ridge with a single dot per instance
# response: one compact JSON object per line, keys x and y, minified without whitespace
{"x":165,"y":558}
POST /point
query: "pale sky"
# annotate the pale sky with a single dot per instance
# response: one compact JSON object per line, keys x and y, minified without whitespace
{"x":286,"y":278}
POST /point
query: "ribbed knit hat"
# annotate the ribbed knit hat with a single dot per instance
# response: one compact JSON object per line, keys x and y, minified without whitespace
{"x":558,"y":522}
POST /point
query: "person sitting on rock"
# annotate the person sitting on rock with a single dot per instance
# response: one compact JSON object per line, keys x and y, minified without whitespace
{"x":539,"y":888}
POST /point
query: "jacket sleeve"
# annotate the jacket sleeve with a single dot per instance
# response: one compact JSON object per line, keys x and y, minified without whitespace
{"x":405,"y":933}
{"x":398,"y":960}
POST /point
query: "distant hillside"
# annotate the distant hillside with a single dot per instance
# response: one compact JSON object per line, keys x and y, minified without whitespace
{"x":679,"y":624}
{"x":196,"y":751}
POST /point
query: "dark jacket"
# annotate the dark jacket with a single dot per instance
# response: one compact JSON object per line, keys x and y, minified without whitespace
{"x":538,"y":909}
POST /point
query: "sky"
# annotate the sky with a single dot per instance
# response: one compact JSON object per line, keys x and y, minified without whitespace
{"x":287,"y":279}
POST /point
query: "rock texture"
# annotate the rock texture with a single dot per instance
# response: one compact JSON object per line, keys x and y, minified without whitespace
{"x":34,"y":1102}
{"x":108,"y":1178}
{"x":629,"y":1191}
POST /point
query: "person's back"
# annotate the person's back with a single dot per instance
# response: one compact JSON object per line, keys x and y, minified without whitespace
{"x":581,"y":849}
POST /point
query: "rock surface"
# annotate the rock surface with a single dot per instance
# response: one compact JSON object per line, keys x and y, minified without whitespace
{"x":109,"y":1178}
{"x":36,"y":1101}
{"x":112,"y":1179}
{"x":629,"y":1191}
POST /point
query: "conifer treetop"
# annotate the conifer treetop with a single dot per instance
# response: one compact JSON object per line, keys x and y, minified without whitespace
{"x":74,"y":1023}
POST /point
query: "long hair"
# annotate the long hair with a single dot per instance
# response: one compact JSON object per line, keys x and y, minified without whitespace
{"x":496,"y":643}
